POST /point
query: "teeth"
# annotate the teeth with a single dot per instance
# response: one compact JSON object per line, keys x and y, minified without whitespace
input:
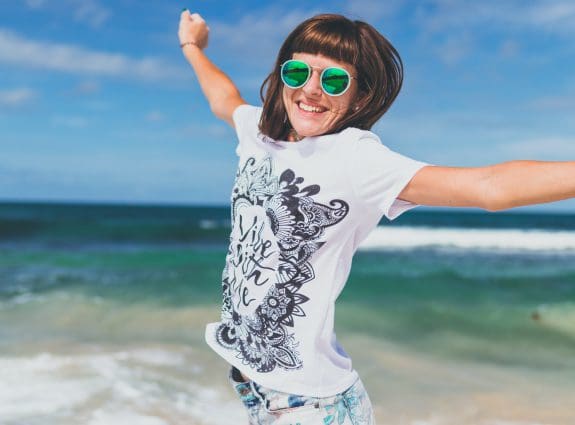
{"x":310,"y":108}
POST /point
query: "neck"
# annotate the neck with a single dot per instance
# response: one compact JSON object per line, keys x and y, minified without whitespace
{"x":293,"y":136}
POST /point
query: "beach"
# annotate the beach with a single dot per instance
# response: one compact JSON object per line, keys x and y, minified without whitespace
{"x":449,"y":319}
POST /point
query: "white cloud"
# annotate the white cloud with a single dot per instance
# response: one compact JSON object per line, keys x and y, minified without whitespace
{"x":35,"y":4}
{"x":471,"y":137}
{"x":373,"y":10}
{"x":550,"y":148}
{"x":70,"y":121}
{"x":554,"y":103}
{"x":16,"y":97}
{"x":134,"y":176}
{"x":555,"y":16}
{"x":155,"y":116}
{"x":43,"y":54}
{"x":86,"y":87}
{"x":91,"y":12}
{"x":454,"y":49}
{"x":509,"y":49}
{"x":98,"y":105}
{"x":215,"y":130}
{"x":256,"y":37}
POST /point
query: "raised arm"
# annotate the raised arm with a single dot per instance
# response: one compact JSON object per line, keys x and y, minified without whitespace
{"x":494,"y":187}
{"x":222,"y":94}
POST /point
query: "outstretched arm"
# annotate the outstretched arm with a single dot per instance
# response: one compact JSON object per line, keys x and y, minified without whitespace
{"x":493,"y":188}
{"x":222,"y":94}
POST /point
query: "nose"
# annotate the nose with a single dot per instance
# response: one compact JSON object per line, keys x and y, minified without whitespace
{"x":313,"y":87}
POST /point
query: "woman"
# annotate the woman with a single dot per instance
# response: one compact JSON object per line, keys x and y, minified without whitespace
{"x":311,"y":184}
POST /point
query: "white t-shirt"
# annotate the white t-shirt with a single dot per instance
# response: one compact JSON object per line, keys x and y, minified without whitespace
{"x":299,"y":210}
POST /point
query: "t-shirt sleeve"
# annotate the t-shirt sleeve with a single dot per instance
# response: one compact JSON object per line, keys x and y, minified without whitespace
{"x":246,"y":119}
{"x":379,"y":174}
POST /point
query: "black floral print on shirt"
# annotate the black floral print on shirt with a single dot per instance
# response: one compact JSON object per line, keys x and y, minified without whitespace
{"x":276,"y":228}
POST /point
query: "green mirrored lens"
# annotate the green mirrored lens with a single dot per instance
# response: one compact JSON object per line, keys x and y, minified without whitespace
{"x":295,"y":73}
{"x":335,"y":81}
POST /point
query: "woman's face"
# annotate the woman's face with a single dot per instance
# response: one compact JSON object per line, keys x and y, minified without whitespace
{"x":328,"y":109}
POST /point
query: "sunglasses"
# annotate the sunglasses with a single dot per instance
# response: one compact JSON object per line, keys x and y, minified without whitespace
{"x":334,"y":80}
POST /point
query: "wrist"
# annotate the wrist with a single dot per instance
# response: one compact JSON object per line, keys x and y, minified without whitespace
{"x":189,"y":43}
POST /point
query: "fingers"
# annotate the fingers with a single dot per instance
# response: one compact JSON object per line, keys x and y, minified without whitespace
{"x":192,"y":16}
{"x":196,"y":17}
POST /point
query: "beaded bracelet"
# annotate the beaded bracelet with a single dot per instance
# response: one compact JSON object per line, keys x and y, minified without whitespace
{"x":189,"y":42}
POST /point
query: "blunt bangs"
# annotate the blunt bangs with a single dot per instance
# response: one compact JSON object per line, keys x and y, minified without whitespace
{"x":334,"y":39}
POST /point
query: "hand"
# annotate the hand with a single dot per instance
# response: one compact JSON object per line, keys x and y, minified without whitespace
{"x":193,"y":28}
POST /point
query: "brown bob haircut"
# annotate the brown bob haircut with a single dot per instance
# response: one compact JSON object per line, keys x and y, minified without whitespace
{"x":379,"y":71}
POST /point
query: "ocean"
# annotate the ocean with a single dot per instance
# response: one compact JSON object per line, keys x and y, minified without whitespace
{"x":450,"y":316}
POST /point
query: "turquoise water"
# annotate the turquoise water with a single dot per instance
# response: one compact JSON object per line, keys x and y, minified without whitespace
{"x":106,"y":302}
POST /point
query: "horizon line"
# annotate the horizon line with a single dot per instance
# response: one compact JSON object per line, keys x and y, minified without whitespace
{"x":467,"y":210}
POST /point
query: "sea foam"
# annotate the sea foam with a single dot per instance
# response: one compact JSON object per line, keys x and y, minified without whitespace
{"x":409,"y":237}
{"x":111,"y":388}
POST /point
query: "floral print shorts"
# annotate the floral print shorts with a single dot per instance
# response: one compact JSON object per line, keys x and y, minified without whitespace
{"x":266,"y":406}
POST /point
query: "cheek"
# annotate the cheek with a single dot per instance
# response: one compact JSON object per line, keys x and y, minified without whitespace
{"x":286,"y":98}
{"x":345,"y":101}
{"x":342,"y":105}
{"x":350,"y":96}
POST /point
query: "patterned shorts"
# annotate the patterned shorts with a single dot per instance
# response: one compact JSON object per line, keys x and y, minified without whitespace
{"x":266,"y":406}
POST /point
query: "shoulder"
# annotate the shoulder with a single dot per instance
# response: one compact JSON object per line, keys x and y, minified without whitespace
{"x":246,"y":111}
{"x":246,"y":117}
{"x":357,"y":139}
{"x":358,"y":134}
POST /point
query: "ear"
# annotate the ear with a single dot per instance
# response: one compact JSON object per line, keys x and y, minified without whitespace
{"x":361,"y":97}
{"x":358,"y":100}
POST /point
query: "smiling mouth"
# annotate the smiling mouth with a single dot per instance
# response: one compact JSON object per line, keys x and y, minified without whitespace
{"x":309,"y":108}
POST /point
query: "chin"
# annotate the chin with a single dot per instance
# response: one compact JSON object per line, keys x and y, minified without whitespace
{"x":309,"y":131}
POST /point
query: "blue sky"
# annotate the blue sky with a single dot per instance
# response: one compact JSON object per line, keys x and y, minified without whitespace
{"x":97,"y":102}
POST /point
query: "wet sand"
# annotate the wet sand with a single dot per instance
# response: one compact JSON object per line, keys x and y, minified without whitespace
{"x":415,"y":388}
{"x":130,"y":377}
